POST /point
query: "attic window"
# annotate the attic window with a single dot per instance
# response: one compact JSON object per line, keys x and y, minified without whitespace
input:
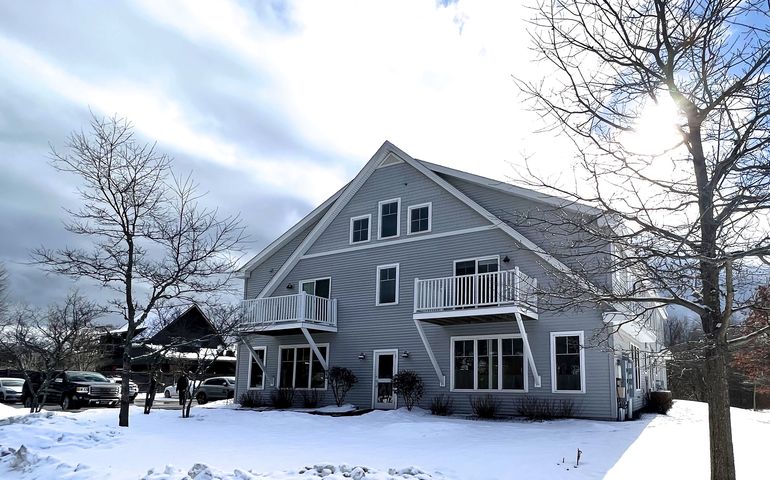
{"x":420,"y":218}
{"x":360,"y":228}
{"x":390,"y":218}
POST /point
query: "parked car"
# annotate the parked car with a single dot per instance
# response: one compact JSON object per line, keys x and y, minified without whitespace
{"x":133,"y":388}
{"x":10,"y":389}
{"x":170,"y":391}
{"x":215,"y":388}
{"x":72,"y":389}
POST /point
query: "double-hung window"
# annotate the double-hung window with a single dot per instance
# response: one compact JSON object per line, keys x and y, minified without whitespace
{"x":300,"y":368}
{"x":387,"y":284}
{"x":420,"y":218}
{"x":488,"y":363}
{"x":567,"y":362}
{"x":389,"y":221}
{"x":360,"y":229}
{"x":256,"y":375}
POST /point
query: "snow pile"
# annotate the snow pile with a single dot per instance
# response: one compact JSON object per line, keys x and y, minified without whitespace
{"x":25,"y":465}
{"x":8,"y":411}
{"x":322,"y":471}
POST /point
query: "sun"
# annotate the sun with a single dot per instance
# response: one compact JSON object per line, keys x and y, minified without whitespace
{"x":656,"y":131}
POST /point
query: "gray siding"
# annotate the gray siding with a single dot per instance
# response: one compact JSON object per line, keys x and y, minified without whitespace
{"x":364,"y":327}
{"x":398,"y":181}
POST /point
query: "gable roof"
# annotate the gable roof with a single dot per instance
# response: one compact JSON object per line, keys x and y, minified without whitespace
{"x":383,"y":155}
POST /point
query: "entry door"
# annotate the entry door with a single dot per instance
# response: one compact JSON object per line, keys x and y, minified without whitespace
{"x":385,"y":367}
{"x":471,"y":290}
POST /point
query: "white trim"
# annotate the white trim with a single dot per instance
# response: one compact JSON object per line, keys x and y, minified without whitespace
{"x":409,"y":218}
{"x":399,"y":241}
{"x":394,"y":352}
{"x":344,"y":198}
{"x":377,"y":288}
{"x":294,"y":371}
{"x":512,"y":189}
{"x":578,"y":333}
{"x":299,"y":284}
{"x":475,"y":311}
{"x":476,"y":259}
{"x":257,"y":260}
{"x":379,"y":218}
{"x":251,"y":363}
{"x":499,"y":338}
{"x":368,"y":216}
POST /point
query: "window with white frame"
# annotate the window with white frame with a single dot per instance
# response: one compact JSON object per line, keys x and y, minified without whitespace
{"x":256,"y":374}
{"x":420,"y":218}
{"x":360,"y":229}
{"x":567,"y":362}
{"x":301,"y":368}
{"x":389,"y":221}
{"x":488,"y":363}
{"x":637,"y":367}
{"x":387,"y":284}
{"x":320,"y":287}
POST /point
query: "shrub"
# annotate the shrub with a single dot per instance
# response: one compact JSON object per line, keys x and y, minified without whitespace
{"x":534,"y":408}
{"x":341,"y":380}
{"x":282,"y":397}
{"x":441,"y":405}
{"x":660,"y":402}
{"x":408,"y":385}
{"x":485,"y":407}
{"x":251,"y":399}
{"x":310,"y":398}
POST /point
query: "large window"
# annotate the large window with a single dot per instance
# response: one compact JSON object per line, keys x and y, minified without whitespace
{"x":488,"y":363}
{"x":567,"y":363}
{"x":360,"y":228}
{"x":637,"y":367}
{"x":256,"y":374}
{"x":389,"y":218}
{"x":300,"y":368}
{"x":420,"y":218}
{"x":387,"y":284}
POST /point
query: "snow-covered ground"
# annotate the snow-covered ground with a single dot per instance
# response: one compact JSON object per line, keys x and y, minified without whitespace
{"x":235,"y":444}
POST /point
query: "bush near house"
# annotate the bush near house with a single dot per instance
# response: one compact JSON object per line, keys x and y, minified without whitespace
{"x":660,"y":402}
{"x":251,"y":399}
{"x":534,"y":408}
{"x":310,"y":398}
{"x":441,"y":405}
{"x":408,"y":385}
{"x":341,"y":380}
{"x":485,"y":406}
{"x":282,"y":397}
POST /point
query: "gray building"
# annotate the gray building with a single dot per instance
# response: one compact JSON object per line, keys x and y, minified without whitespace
{"x":414,"y":266}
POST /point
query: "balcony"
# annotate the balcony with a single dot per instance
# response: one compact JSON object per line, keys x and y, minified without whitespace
{"x":274,"y":315}
{"x":460,"y":299}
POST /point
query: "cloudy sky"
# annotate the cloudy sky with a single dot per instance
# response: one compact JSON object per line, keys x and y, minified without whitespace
{"x":271,"y":105}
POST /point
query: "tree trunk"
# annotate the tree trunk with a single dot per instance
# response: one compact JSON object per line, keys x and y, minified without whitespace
{"x":720,"y":428}
{"x":125,"y":394}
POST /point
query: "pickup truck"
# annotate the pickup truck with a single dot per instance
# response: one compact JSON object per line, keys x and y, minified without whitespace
{"x":72,"y":389}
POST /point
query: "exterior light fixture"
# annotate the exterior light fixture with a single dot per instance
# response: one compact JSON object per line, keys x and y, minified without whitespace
{"x":362,"y":356}
{"x":405,"y":354}
{"x":506,"y":259}
{"x":290,"y":286}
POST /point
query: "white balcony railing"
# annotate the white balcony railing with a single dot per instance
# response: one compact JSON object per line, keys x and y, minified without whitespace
{"x":494,"y":289}
{"x":289,"y":310}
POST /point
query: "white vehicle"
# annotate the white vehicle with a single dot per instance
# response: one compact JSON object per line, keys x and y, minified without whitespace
{"x":133,"y":388}
{"x":170,"y":391}
{"x":10,"y":389}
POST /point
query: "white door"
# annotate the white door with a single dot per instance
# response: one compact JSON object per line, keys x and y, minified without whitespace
{"x":385,"y":368}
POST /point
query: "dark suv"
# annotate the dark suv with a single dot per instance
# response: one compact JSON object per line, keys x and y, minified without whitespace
{"x":73,"y":389}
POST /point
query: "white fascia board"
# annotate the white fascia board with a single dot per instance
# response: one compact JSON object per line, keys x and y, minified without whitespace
{"x":632,"y":328}
{"x":244,"y":271}
{"x":342,"y":200}
{"x":513,"y":189}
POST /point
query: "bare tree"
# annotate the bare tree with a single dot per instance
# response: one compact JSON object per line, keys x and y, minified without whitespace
{"x":47,"y":343}
{"x":152,"y":241}
{"x":3,"y":291}
{"x":687,"y":219}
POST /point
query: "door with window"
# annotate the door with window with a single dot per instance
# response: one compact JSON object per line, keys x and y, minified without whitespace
{"x":475,"y":282}
{"x":385,"y":367}
{"x":316,"y":309}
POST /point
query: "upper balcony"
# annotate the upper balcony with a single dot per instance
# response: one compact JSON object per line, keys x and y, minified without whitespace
{"x":276,"y":315}
{"x":460,"y":299}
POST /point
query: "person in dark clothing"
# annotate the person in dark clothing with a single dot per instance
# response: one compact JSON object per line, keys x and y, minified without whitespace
{"x":181,"y":387}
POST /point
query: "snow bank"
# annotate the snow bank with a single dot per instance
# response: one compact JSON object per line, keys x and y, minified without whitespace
{"x":322,"y":471}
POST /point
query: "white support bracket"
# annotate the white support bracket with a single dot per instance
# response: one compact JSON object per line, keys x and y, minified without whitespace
{"x":253,"y":353}
{"x":530,"y":358}
{"x":441,"y":377}
{"x":314,"y":347}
